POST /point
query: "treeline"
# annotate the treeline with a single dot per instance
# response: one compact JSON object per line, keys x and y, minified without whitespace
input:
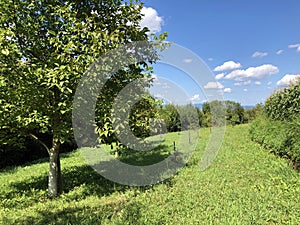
{"x":278,"y":128}
{"x":147,"y":117}
{"x":229,"y":112}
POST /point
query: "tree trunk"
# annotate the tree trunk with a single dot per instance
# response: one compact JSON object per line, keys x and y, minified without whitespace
{"x":59,"y":176}
{"x":54,"y":181}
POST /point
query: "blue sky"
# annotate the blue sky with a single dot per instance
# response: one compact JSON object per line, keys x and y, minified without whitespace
{"x":252,"y":47}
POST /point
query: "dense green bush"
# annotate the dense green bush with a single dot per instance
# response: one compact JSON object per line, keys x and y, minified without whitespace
{"x":279,"y":128}
{"x":280,"y":137}
{"x":284,"y":104}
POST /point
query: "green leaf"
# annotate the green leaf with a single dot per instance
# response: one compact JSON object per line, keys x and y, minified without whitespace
{"x":5,"y":52}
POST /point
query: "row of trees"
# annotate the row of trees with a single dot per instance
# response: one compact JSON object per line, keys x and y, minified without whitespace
{"x":233,"y":113}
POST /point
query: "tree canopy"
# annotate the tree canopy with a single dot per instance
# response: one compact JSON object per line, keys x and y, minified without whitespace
{"x":45,"y":47}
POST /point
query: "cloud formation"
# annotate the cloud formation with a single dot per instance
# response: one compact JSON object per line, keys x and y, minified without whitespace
{"x":279,"y":52}
{"x":243,"y":83}
{"x":220,"y":76}
{"x":297,"y":46}
{"x":227,"y":90}
{"x":213,"y":85}
{"x":188,"y":60}
{"x":253,"y":73}
{"x":196,"y":97}
{"x":288,"y":79}
{"x":230,"y":65}
{"x":151,"y":20}
{"x":259,"y":54}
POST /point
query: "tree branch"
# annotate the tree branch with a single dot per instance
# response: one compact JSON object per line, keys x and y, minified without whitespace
{"x":40,"y":142}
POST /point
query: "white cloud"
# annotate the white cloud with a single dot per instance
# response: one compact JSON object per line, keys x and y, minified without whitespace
{"x":196,"y":97}
{"x":245,"y":90}
{"x":230,"y":65}
{"x":297,"y":46}
{"x":259,"y":54}
{"x":227,"y":90}
{"x":187,"y":60}
{"x":151,"y":20}
{"x":258,"y":83}
{"x":219,"y":76}
{"x":243,"y":83}
{"x":256,"y":73}
{"x":279,"y":52}
{"x":288,"y":79}
{"x":269,"y":83}
{"x":213,"y":85}
{"x":210,"y":59}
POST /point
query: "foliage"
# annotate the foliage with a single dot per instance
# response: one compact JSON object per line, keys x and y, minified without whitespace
{"x":278,"y":129}
{"x":284,"y":104}
{"x":280,"y":137}
{"x":180,"y":117}
{"x":244,"y":185}
{"x":251,"y":114}
{"x":45,"y":47}
{"x":143,"y":120}
{"x":234,"y":113}
{"x":171,"y":117}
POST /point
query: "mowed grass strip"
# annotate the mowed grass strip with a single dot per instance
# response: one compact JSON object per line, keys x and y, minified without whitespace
{"x":244,"y":185}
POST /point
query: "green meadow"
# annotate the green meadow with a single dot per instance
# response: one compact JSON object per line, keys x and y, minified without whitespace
{"x":245,"y":184}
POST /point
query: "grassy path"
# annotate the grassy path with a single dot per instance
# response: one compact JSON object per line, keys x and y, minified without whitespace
{"x":244,"y":185}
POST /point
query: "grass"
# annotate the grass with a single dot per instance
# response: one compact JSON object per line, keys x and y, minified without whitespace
{"x":244,"y":185}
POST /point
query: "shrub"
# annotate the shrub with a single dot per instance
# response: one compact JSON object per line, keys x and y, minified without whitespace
{"x":284,"y":104}
{"x":280,"y":137}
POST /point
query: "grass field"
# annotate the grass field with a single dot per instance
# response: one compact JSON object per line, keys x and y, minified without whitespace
{"x":244,"y":185}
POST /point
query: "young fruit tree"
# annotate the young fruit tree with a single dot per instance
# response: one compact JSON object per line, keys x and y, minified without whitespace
{"x":45,"y":48}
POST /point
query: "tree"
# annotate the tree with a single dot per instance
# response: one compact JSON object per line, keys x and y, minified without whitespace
{"x":45,"y":47}
{"x":234,"y":113}
{"x":171,"y":117}
{"x":251,"y":114}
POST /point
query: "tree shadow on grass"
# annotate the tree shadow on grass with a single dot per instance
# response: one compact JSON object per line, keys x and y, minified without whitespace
{"x":79,"y":182}
{"x":144,"y":158}
{"x":73,"y":177}
{"x":114,"y":212}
